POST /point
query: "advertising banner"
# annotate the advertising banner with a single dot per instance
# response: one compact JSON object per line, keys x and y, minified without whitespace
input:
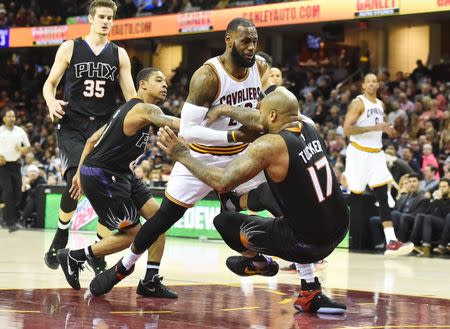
{"x":4,"y":38}
{"x":197,"y":222}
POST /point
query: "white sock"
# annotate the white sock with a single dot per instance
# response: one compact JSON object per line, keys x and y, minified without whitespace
{"x":63,"y":226}
{"x":130,"y":258}
{"x":306,"y":272}
{"x":389,"y":234}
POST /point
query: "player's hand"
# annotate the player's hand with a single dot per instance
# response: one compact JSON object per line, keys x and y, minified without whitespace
{"x":174,"y":146}
{"x":247,"y":135}
{"x":381,"y":126}
{"x":55,"y":108}
{"x":75,"y":190}
{"x":216,"y":112}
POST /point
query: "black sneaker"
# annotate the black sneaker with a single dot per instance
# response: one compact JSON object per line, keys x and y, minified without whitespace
{"x":290,"y":268}
{"x":155,"y":289}
{"x":98,"y":264}
{"x":244,"y":267}
{"x":50,"y":258}
{"x":229,"y":201}
{"x":312,"y":299}
{"x":71,"y":267}
{"x":105,"y":281}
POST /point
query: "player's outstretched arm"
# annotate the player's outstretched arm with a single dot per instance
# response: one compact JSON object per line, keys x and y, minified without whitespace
{"x":59,"y":67}
{"x":258,"y":157}
{"x":249,"y":117}
{"x":202,"y":91}
{"x":125,"y":78}
{"x":157,"y":117}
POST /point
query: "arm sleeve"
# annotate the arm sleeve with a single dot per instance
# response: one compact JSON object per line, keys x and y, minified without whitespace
{"x":192,"y":129}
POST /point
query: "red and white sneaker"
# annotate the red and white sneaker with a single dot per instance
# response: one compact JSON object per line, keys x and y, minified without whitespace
{"x":312,"y":299}
{"x":398,"y":248}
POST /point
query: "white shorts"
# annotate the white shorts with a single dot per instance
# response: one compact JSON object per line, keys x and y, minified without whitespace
{"x":365,"y":168}
{"x":185,"y":189}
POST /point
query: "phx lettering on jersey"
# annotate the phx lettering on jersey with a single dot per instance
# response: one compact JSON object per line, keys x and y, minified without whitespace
{"x":310,"y":149}
{"x":95,"y":70}
{"x":240,"y":96}
{"x":143,"y":140}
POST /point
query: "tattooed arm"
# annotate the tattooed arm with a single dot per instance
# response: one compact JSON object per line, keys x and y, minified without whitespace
{"x":259,"y":156}
{"x":144,"y":114}
{"x":247,"y":116}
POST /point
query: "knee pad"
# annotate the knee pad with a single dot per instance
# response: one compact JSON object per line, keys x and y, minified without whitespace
{"x":67,"y":203}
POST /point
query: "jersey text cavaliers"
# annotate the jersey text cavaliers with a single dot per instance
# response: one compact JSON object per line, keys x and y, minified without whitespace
{"x":240,"y":96}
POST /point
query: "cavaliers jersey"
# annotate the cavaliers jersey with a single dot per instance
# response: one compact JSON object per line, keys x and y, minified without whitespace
{"x":310,"y":196}
{"x":235,"y":92}
{"x":114,"y":150}
{"x":92,"y":80}
{"x":372,"y":115}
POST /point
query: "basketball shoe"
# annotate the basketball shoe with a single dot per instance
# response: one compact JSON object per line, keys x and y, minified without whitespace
{"x":105,"y":281}
{"x":312,"y":299}
{"x":155,"y":289}
{"x":244,"y":267}
{"x":98,"y":264}
{"x":398,"y":248}
{"x":71,"y":268}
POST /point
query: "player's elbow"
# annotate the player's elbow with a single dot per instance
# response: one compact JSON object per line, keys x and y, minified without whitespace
{"x":346,"y":130}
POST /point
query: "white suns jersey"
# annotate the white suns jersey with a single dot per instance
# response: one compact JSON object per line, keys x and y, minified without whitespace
{"x":242,"y":92}
{"x":373,"y":114}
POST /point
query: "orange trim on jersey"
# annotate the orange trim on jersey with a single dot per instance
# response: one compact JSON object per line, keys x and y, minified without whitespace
{"x":381,"y":184}
{"x":357,"y":192}
{"x":218,"y":79}
{"x":218,"y":150}
{"x":365,"y":148}
{"x":231,"y":76}
{"x":171,"y":198}
{"x":297,"y":130}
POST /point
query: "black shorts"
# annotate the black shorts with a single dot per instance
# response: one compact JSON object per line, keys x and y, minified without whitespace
{"x":115,"y":198}
{"x":72,"y":132}
{"x":277,"y":238}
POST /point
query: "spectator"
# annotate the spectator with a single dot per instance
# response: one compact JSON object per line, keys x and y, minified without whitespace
{"x":428,"y":158}
{"x":419,"y":72}
{"x":407,"y":156}
{"x":408,"y":207}
{"x":30,"y":184}
{"x":430,"y":183}
{"x":435,"y":223}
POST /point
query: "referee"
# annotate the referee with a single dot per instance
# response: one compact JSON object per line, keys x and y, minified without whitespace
{"x":13,"y":143}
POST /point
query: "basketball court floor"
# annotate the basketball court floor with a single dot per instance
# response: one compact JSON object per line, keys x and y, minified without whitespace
{"x":408,"y":292}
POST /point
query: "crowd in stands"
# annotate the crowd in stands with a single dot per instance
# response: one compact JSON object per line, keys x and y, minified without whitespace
{"x":416,"y":104}
{"x":23,"y":13}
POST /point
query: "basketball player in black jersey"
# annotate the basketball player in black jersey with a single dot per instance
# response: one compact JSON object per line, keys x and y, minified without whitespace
{"x":95,"y":70}
{"x":299,"y":174}
{"x":117,"y":196}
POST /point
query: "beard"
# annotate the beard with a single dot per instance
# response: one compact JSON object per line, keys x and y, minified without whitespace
{"x":241,"y":61}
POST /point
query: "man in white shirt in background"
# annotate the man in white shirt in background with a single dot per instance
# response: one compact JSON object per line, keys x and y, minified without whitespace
{"x":13,"y":144}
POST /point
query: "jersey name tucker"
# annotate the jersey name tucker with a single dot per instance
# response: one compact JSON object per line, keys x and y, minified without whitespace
{"x":310,"y":149}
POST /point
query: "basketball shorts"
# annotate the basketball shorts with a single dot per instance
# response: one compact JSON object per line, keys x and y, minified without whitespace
{"x":115,"y":198}
{"x":185,"y":189}
{"x":365,"y":168}
{"x":73,"y":130}
{"x":277,"y":238}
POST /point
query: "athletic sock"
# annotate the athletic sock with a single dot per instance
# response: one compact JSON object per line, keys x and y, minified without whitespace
{"x":389,"y":234}
{"x":152,"y":270}
{"x":130,"y":259}
{"x":306,"y":272}
{"x":82,"y":255}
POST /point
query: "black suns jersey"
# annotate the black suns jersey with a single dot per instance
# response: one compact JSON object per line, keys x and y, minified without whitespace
{"x":115,"y":150}
{"x":310,"y":196}
{"x":92,"y":81}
